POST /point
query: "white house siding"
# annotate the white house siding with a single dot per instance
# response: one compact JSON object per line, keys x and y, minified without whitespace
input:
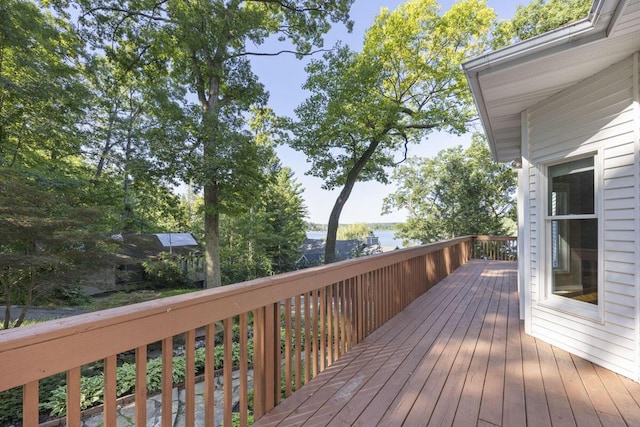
{"x":629,"y":20}
{"x":597,"y":114}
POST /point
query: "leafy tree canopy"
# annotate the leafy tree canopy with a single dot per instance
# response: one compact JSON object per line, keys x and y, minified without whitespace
{"x":42,"y":96}
{"x":457,"y":193}
{"x":358,"y":231}
{"x":265,"y":240}
{"x":204,"y":47}
{"x":365,"y":108}
{"x":53,"y":227}
{"x":538,"y":17}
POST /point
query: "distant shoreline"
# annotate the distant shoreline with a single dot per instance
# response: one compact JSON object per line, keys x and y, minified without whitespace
{"x":386,"y":226}
{"x":387,"y":237}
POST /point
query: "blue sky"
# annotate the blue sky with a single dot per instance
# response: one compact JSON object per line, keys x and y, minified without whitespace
{"x":283,"y":77}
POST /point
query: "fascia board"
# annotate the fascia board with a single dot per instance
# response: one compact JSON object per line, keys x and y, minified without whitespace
{"x":581,"y":32}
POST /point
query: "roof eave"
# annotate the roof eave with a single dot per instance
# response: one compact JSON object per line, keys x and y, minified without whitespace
{"x":587,"y":30}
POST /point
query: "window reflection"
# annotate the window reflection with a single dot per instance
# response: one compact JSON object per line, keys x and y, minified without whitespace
{"x":573,"y":240}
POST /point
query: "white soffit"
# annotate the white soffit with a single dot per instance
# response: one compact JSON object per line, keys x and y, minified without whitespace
{"x":506,"y":82}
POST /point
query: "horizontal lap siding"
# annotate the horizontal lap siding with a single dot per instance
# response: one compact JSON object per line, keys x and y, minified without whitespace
{"x":629,"y":21}
{"x":596,"y":114}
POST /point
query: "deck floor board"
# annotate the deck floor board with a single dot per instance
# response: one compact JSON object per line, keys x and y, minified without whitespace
{"x":459,"y":356}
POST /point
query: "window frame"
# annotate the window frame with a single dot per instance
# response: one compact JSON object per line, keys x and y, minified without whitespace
{"x":594,"y":312}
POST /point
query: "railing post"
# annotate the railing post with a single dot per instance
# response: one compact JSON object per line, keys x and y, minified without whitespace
{"x":73,"y":397}
{"x":30,"y":404}
{"x":167,"y":381}
{"x":259,"y":389}
{"x":266,"y":329}
{"x":227,"y":369}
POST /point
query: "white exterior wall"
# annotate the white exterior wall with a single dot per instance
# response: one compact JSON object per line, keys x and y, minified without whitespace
{"x":600,"y":115}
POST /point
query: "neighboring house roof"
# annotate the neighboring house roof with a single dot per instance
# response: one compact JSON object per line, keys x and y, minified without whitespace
{"x":508,"y":81}
{"x":313,"y":250}
{"x":139,"y":247}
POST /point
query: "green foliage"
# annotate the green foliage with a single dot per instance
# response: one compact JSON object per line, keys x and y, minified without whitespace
{"x":154,"y":374}
{"x":91,"y":394}
{"x":53,"y":389}
{"x":11,"y":400}
{"x":136,"y":101}
{"x":354,"y":231}
{"x":42,"y":96}
{"x":538,"y":17}
{"x":10,"y":406}
{"x":406,"y":82}
{"x":266,"y":240}
{"x":203,"y":48}
{"x":92,"y":387}
{"x":454,"y":194}
{"x":235,"y":419}
{"x":166,"y":271}
{"x":366,"y":108}
{"x":54,"y":229}
{"x":65,"y":295}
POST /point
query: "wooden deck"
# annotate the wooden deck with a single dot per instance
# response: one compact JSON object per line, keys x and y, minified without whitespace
{"x":459,"y":356}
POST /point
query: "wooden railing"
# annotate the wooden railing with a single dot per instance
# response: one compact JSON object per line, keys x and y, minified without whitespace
{"x":500,"y":248}
{"x":299,"y":323}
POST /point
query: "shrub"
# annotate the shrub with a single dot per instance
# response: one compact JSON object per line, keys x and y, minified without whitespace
{"x":11,"y":400}
{"x":10,"y":406}
{"x":166,"y":272}
{"x":92,"y":388}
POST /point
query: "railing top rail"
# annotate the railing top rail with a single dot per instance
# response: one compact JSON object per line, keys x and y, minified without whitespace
{"x":92,"y":336}
{"x":495,"y":238}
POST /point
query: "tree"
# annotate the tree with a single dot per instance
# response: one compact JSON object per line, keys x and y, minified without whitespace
{"x":354,"y":231}
{"x":457,"y":193}
{"x":42,"y":95}
{"x":204,"y":46}
{"x":538,"y":17}
{"x":52,"y":230}
{"x":135,"y":119}
{"x":265,"y":240}
{"x":285,"y":211}
{"x":366,"y":107}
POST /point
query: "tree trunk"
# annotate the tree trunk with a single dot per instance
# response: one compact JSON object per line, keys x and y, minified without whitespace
{"x":334,"y":218}
{"x":128,"y":209}
{"x":107,"y":145}
{"x":213,"y":274}
{"x":7,"y":306}
{"x":27,"y":304}
{"x":208,"y":84}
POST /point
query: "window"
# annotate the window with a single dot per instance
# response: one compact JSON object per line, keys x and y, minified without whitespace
{"x":572,"y":230}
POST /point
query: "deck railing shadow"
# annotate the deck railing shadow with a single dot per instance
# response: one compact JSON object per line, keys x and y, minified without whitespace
{"x":285,"y":329}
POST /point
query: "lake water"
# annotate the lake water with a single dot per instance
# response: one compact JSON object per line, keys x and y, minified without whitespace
{"x":386,"y":237}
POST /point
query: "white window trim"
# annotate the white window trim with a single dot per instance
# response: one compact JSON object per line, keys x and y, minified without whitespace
{"x":546,"y":297}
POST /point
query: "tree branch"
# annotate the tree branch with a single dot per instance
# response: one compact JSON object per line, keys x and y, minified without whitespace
{"x":406,"y":149}
{"x":237,"y":55}
{"x":289,"y":6}
{"x":128,"y":13}
{"x":420,"y":126}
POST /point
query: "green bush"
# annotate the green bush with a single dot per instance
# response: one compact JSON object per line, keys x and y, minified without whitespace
{"x":71,"y":295}
{"x":235,"y":420}
{"x":10,"y":406}
{"x":166,"y":272}
{"x":11,"y":400}
{"x":92,"y":388}
{"x":91,"y":394}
